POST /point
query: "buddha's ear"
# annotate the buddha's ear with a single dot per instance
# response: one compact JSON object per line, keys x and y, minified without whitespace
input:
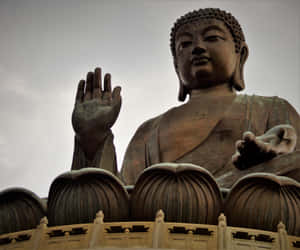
{"x":238,"y":76}
{"x":182,"y":90}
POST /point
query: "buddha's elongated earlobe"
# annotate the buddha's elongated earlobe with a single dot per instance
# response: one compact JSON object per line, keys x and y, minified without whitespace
{"x":238,"y":75}
{"x":182,"y":92}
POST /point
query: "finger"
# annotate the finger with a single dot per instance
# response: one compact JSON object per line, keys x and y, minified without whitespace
{"x":116,"y":94}
{"x":249,"y":136}
{"x":107,"y":83}
{"x":237,"y":161}
{"x":239,"y":145}
{"x":80,"y":92}
{"x":106,"y":94}
{"x":235,"y":157}
{"x":89,"y":86}
{"x":261,"y":145}
{"x":268,"y":148}
{"x":97,"y":88}
{"x":250,"y":142}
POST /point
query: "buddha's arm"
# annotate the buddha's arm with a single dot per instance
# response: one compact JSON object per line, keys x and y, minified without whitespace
{"x":294,"y":120}
{"x":104,"y":157}
{"x":280,"y":137}
{"x":135,"y":160}
{"x":284,"y":113}
{"x":96,"y":110}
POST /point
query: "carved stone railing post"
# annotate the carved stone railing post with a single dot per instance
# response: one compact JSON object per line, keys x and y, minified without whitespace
{"x":39,"y":233}
{"x":221,"y":233}
{"x":189,"y":243}
{"x":98,"y":230}
{"x":282,"y":237}
{"x":158,"y":230}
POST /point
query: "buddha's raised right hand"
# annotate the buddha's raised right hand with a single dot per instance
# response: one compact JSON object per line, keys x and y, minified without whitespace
{"x":96,"y":110}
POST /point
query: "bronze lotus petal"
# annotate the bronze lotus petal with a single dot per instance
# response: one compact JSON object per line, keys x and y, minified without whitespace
{"x":261,"y":201}
{"x":185,"y":192}
{"x":76,"y":196}
{"x":20,"y":209}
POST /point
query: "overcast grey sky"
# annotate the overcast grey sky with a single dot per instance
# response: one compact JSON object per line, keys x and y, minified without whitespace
{"x":48,"y":46}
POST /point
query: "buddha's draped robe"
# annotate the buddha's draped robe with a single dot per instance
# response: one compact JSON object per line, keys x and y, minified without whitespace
{"x":205,"y":134}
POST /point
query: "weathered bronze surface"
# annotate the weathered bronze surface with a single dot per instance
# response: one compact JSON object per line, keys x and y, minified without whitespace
{"x":217,"y":138}
{"x":20,"y":209}
{"x":229,"y":135}
{"x":210,"y":130}
{"x":185,"y":192}
{"x":96,"y":110}
{"x":75,"y":197}
{"x":149,"y":145}
{"x":262,"y":200}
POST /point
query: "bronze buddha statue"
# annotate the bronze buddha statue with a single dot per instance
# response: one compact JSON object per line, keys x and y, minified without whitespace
{"x":209,"y":52}
{"x":178,"y":160}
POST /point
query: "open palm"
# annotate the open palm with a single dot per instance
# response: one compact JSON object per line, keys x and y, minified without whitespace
{"x":96,"y":107}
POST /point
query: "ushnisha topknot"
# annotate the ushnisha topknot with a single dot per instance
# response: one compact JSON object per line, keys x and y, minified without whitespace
{"x":209,"y":13}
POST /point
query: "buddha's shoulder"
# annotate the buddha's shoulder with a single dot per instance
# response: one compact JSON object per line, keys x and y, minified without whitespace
{"x":151,"y":124}
{"x":256,"y":102}
{"x":260,"y":100}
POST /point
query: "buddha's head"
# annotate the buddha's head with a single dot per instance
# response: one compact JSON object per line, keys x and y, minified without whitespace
{"x":209,"y":49}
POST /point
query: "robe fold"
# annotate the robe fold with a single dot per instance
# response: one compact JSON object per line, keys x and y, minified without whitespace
{"x":205,"y":135}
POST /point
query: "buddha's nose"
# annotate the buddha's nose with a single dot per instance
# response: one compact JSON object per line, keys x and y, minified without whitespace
{"x":198,"y":50}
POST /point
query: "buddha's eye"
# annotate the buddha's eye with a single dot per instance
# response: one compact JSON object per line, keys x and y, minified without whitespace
{"x":184,"y":44}
{"x":213,"y":38}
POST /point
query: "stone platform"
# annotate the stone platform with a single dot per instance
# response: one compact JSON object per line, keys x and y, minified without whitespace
{"x":157,"y":234}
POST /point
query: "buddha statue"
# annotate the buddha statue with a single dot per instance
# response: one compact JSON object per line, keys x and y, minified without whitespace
{"x":186,"y":160}
{"x":230,"y":135}
{"x":245,"y":146}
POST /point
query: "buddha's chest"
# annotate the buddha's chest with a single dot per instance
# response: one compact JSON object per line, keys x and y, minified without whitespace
{"x":207,"y":133}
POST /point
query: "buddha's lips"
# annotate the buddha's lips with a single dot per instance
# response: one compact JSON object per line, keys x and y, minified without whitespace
{"x":200,"y":60}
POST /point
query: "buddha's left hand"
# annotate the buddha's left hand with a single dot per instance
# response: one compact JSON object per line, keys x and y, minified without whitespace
{"x":253,"y":150}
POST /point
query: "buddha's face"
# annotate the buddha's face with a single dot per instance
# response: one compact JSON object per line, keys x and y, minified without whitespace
{"x":205,"y":54}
